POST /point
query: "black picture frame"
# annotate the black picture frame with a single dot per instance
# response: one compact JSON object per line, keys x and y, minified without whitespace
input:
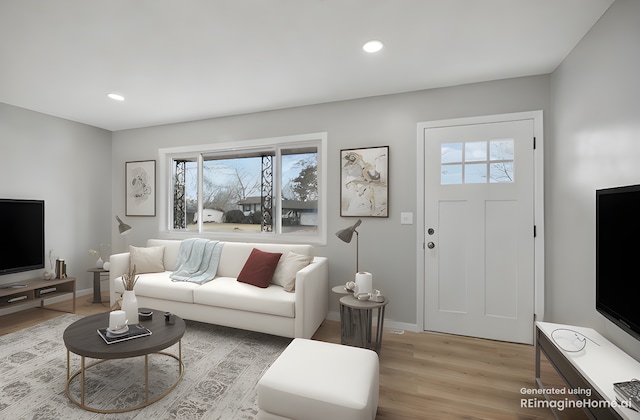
{"x":140,"y":188}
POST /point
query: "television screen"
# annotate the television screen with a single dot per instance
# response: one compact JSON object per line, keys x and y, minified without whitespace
{"x":23,"y":233}
{"x":617,"y":256}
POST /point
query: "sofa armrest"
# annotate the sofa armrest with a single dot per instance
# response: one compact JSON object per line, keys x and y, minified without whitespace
{"x":119,"y":265}
{"x":312,"y":297}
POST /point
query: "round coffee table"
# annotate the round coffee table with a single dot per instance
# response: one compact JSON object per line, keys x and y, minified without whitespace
{"x":82,"y":338}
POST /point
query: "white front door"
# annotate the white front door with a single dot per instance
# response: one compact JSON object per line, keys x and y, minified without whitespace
{"x":479,"y":230}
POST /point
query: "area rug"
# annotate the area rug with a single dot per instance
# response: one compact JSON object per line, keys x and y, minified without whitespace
{"x":222,"y":368}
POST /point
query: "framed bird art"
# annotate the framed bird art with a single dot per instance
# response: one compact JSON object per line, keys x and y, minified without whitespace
{"x":364,"y":182}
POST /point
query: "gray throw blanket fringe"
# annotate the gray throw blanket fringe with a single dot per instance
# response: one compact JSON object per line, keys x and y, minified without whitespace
{"x":197,"y":260}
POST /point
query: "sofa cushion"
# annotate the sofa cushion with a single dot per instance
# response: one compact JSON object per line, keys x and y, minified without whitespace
{"x":160,"y":286}
{"x":226,"y":292}
{"x":288,"y":266}
{"x":235,"y":254}
{"x":259,"y":268}
{"x":171,"y":248}
{"x":147,"y":260}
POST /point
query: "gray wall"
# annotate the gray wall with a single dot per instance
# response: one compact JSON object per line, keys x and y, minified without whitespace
{"x":387,"y":249}
{"x":69,"y":166}
{"x":596,"y":144}
{"x":592,"y":108}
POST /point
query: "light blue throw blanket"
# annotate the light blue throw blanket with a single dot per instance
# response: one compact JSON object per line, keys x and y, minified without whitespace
{"x":197,"y":260}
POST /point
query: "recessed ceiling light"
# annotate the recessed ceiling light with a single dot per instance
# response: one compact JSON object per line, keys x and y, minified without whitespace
{"x":372,"y":46}
{"x":116,"y":97}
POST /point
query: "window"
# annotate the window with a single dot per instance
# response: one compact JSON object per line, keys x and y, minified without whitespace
{"x":249,"y":189}
{"x":476,"y":162}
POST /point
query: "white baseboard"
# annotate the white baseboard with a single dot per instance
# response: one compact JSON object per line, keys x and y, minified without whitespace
{"x":389,"y":324}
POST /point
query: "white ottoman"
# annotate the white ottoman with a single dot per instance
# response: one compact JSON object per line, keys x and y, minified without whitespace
{"x":317,"y":380}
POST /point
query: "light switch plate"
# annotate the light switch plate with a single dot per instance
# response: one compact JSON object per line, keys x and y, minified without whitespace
{"x":406,"y":218}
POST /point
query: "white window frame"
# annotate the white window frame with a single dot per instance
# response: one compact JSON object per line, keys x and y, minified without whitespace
{"x":165,"y":187}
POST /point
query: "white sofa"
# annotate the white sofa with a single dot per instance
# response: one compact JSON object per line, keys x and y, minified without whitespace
{"x":226,"y":301}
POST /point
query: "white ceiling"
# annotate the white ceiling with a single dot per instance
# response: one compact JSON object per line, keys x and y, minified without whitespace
{"x":181,"y":60}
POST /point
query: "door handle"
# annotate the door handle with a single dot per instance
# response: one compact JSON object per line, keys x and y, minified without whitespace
{"x":431,"y":245}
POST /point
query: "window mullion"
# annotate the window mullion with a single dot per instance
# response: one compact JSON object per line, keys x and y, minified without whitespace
{"x":266,"y":193}
{"x":179,"y":199}
{"x":200,"y":191}
{"x":278,"y":191}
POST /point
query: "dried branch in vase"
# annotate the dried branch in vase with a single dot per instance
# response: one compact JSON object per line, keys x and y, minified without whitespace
{"x":129,"y":279}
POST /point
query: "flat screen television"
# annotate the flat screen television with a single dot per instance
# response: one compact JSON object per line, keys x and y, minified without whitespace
{"x":618,"y":256}
{"x":23,"y":235}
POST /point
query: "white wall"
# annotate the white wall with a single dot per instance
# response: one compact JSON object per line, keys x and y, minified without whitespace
{"x":596,"y":144}
{"x":387,"y":249}
{"x":69,"y":166}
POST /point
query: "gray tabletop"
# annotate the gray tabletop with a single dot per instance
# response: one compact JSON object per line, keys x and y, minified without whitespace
{"x":82,"y":337}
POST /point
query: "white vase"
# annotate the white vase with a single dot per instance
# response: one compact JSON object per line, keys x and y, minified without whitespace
{"x":130,"y":306}
{"x":99,"y":263}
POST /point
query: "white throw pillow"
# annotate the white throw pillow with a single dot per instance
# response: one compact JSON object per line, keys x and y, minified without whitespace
{"x":288,"y":267}
{"x":147,"y":259}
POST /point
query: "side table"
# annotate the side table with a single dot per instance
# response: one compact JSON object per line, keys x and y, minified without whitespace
{"x":341,"y":290}
{"x":97,"y":277}
{"x":356,"y":319}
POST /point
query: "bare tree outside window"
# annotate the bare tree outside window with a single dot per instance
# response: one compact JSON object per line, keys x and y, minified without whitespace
{"x":233,"y":191}
{"x":477,"y":162}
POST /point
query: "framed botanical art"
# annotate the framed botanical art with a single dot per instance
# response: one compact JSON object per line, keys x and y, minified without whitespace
{"x":140,"y":188}
{"x":364,"y":182}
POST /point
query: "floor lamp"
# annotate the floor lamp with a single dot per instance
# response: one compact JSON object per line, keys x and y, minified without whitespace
{"x":124,"y":229}
{"x":346,"y":235}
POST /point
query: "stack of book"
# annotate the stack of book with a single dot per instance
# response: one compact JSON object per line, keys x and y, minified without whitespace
{"x":133,"y":331}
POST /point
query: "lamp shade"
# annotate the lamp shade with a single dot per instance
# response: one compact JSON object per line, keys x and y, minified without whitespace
{"x":122,"y":226}
{"x":346,"y":234}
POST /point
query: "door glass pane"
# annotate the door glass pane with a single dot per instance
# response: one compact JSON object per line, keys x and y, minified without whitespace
{"x":475,"y":173}
{"x":501,"y":172}
{"x":450,"y":174}
{"x":450,"y":152}
{"x":501,"y":149}
{"x":499,"y":162}
{"x":475,"y":151}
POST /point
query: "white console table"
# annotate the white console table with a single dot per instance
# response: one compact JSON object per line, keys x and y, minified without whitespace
{"x":596,"y":367}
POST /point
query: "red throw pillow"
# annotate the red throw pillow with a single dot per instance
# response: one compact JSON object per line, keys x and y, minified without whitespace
{"x":259,"y":268}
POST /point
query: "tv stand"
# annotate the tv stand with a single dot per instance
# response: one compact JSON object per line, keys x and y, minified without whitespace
{"x":19,"y":293}
{"x":592,"y":370}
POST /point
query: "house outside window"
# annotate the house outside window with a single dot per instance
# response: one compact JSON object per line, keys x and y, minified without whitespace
{"x":268,"y":188}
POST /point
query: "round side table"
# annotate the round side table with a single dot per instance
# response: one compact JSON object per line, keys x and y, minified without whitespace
{"x":356,"y":319}
{"x":341,"y":290}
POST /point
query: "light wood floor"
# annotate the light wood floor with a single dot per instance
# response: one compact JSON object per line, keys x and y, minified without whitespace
{"x":422,"y":375}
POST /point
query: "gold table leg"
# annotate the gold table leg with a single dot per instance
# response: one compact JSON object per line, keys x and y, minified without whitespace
{"x":146,"y":378}
{"x":83,"y":368}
